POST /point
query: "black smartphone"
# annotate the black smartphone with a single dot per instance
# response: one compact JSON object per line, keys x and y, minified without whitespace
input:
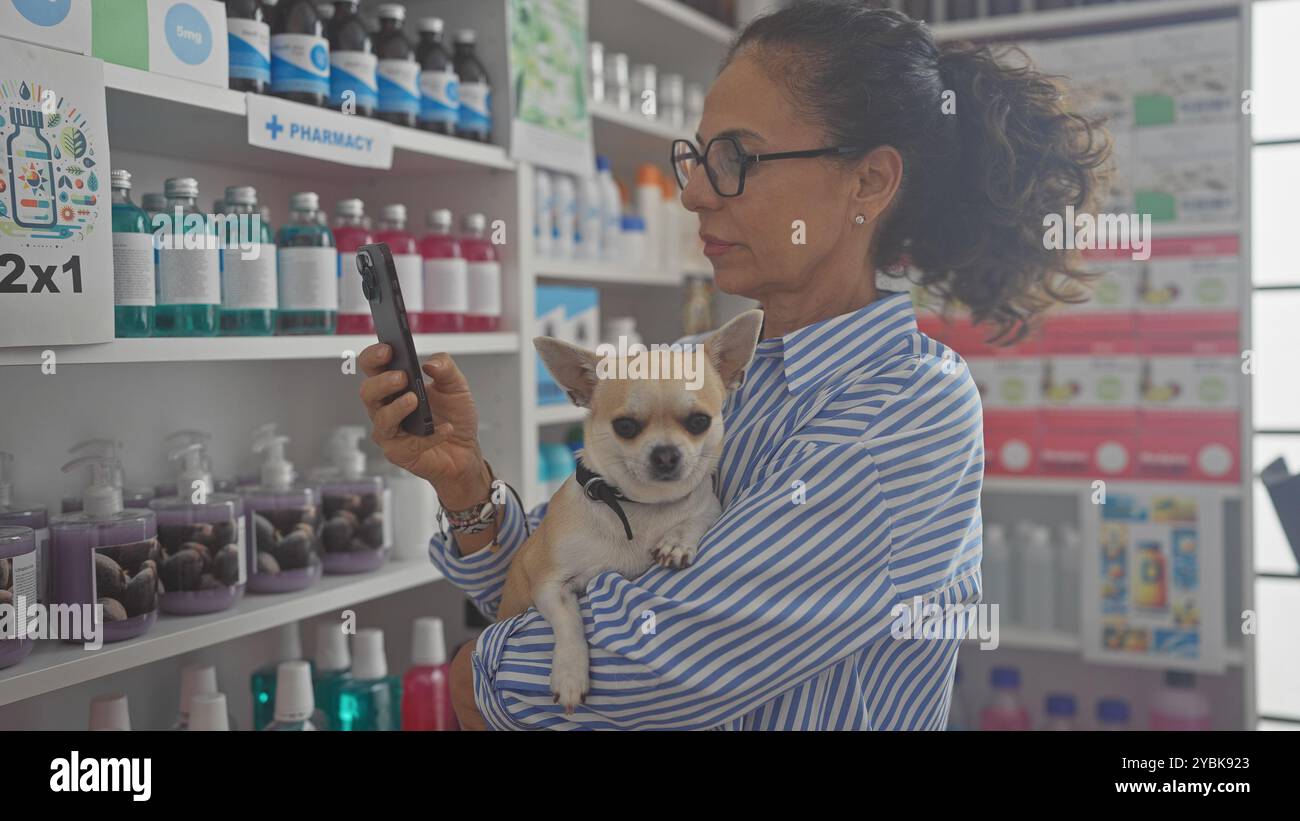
{"x":384,"y":293}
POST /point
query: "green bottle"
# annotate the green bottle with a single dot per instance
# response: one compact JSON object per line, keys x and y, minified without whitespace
{"x":189,"y":265}
{"x":248,"y":281}
{"x":133,"y":263}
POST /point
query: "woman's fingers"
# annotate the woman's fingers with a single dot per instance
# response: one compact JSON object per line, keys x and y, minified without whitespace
{"x":376,"y":389}
{"x":387,"y":420}
{"x":374,"y":359}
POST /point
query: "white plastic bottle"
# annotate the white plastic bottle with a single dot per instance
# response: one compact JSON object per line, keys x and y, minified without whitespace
{"x":672,"y":215}
{"x":566,"y":215}
{"x":110,"y":712}
{"x":587,"y":242}
{"x":1067,"y":576}
{"x":543,"y":214}
{"x":611,"y":209}
{"x":996,"y":567}
{"x":295,"y":704}
{"x":649,"y":204}
{"x":1038,"y":581}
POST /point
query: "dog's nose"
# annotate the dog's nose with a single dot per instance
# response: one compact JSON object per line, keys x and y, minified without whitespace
{"x":664,"y":460}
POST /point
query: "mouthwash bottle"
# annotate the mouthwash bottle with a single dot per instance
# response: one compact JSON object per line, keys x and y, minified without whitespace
{"x":474,"y":120}
{"x":202,"y":534}
{"x":308,"y":270}
{"x":439,"y":85}
{"x":350,"y":233}
{"x":330,"y":670}
{"x":357,"y":535}
{"x":107,"y":555}
{"x":370,"y":699}
{"x":295,"y":706}
{"x":133,"y":271}
{"x":20,"y":514}
{"x":399,"y":73}
{"x":484,"y":276}
{"x":300,"y":54}
{"x":198,"y":680}
{"x":249,"y":39}
{"x":263,"y":680}
{"x":352,"y":61}
{"x":249,"y":285}
{"x":29,"y":150}
{"x":446,"y":277}
{"x":426,"y":687}
{"x":407,"y":261}
{"x":283,"y":539}
{"x":189,"y":265}
{"x":153,"y":204}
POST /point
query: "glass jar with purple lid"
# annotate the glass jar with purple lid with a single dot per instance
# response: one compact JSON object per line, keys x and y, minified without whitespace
{"x":18,"y":582}
{"x":202,"y":534}
{"x":283,"y":539}
{"x":106,"y":555}
{"x":18,"y":514}
{"x":357,"y":534}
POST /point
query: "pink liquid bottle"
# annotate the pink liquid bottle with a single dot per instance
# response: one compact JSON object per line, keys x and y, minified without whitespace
{"x":426,"y":687}
{"x":484,"y":276}
{"x":407,"y":260}
{"x":1179,"y":705}
{"x":1005,"y":712}
{"x":446,"y":277}
{"x":350,"y":233}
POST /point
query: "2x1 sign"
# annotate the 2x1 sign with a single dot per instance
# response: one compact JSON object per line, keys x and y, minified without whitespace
{"x":318,"y":133}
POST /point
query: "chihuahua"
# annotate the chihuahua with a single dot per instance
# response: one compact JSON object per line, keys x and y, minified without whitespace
{"x":643,"y":492}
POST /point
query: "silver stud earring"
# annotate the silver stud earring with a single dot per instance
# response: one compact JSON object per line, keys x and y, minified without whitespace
{"x":859,"y":219}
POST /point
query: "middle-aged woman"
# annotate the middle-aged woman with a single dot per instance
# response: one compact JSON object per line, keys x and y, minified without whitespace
{"x":837,"y":142}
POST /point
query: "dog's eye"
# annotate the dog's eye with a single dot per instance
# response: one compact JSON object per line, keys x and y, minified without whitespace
{"x":698,"y":422}
{"x":627,"y":428}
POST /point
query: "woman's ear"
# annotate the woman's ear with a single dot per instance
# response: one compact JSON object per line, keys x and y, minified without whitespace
{"x":879,"y":174}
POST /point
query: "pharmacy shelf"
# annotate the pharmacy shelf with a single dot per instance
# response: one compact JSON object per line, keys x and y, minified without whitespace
{"x":635,"y":121}
{"x":678,"y":13}
{"x":1054,"y":484}
{"x":249,"y":348}
{"x":1055,"y":641}
{"x":207,"y":123}
{"x":54,"y":665}
{"x":1035,"y":23}
{"x":559,"y":415}
{"x":602,"y":272}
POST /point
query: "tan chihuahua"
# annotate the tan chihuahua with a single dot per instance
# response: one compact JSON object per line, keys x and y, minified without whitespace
{"x":642,"y":492}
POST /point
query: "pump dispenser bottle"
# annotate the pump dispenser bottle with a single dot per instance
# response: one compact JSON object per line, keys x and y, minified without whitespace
{"x":132,"y":495}
{"x":357,"y":534}
{"x":36,"y":517}
{"x":202,"y":534}
{"x":371,"y":699}
{"x":107,"y":555}
{"x":283,"y":540}
{"x":18,"y":577}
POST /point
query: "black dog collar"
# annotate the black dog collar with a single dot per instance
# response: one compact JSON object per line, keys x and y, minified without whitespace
{"x":598,"y":490}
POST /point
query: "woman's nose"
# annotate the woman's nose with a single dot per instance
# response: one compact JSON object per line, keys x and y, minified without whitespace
{"x":698,"y":195}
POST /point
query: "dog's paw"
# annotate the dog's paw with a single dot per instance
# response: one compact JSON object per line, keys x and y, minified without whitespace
{"x":674,"y":551}
{"x":569,"y":684}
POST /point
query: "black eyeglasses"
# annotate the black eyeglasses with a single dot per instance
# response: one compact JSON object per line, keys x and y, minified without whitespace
{"x":725,"y":162}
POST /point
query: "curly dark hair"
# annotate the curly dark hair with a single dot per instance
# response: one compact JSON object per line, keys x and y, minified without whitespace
{"x":976,"y":187}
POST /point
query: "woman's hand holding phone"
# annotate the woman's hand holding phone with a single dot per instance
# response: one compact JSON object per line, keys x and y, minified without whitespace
{"x":450,"y":458}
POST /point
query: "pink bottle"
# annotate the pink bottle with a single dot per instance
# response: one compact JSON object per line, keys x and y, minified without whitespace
{"x":446,"y":277}
{"x":484,"y":276}
{"x":406,"y":257}
{"x":426,"y":687}
{"x":1179,"y":705}
{"x":1005,"y":712}
{"x":350,"y":233}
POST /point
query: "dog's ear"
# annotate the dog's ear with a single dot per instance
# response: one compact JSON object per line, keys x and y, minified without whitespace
{"x":573,"y":367}
{"x":731,"y":347}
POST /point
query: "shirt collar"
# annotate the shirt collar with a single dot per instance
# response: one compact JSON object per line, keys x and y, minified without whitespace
{"x":814,"y":353}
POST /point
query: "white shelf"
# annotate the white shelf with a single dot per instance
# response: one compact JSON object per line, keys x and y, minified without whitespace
{"x":1057,"y":484}
{"x":636,"y":122}
{"x":683,"y":15}
{"x":249,"y":348}
{"x":1080,"y":17}
{"x":54,"y":665}
{"x":559,"y":415}
{"x":1055,"y":641}
{"x":602,"y":272}
{"x":211,"y":123}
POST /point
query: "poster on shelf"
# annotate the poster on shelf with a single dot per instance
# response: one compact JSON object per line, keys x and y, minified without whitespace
{"x":548,"y":84}
{"x":56,"y":241}
{"x":1153,"y":584}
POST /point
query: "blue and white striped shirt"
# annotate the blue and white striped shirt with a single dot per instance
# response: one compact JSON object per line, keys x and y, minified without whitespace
{"x":850,"y":482}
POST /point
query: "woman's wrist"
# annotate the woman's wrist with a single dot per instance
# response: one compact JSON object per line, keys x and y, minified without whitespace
{"x":472,"y":488}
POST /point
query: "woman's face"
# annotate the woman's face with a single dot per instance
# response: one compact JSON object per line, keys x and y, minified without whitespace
{"x":795,"y":216}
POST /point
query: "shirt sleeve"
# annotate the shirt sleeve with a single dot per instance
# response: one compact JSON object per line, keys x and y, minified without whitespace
{"x":793,"y":576}
{"x":482,"y":574}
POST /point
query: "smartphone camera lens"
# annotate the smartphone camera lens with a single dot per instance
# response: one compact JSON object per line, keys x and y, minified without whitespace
{"x":367,"y":269}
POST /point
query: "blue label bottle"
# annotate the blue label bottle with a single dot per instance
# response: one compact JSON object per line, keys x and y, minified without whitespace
{"x":300,"y":54}
{"x":439,"y":85}
{"x":307,"y":269}
{"x":352,"y":62}
{"x":474,"y":120}
{"x":249,"y":38}
{"x":399,"y":73}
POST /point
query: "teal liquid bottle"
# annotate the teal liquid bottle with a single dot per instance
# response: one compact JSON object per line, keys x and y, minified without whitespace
{"x":308,"y":270}
{"x":248,"y":283}
{"x":189,"y":265}
{"x":295,"y":706}
{"x":263,"y":680}
{"x":133,"y":262}
{"x":331,"y":669}
{"x":371,"y":699}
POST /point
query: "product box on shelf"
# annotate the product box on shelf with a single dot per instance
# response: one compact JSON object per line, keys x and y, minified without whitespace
{"x":1111,"y":307}
{"x":568,"y":313}
{"x":1090,"y":412}
{"x":1187,"y":73}
{"x":1205,"y":452}
{"x":179,"y":38}
{"x":1012,"y":442}
{"x":1192,"y":287}
{"x":1187,"y":173}
{"x":1099,"y":68}
{"x":1087,"y":454}
{"x":1190,"y":385}
{"x":63,"y":25}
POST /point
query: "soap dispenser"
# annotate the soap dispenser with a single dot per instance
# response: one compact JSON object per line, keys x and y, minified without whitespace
{"x":107,"y":555}
{"x":132,"y":496}
{"x":180,"y":439}
{"x":252,"y":477}
{"x":202,"y":534}
{"x":283,"y":540}
{"x":356,"y":536}
{"x":17,"y":589}
{"x":19,"y":514}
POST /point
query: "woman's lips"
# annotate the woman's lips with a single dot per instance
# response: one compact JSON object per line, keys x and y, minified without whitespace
{"x":714,"y":246}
